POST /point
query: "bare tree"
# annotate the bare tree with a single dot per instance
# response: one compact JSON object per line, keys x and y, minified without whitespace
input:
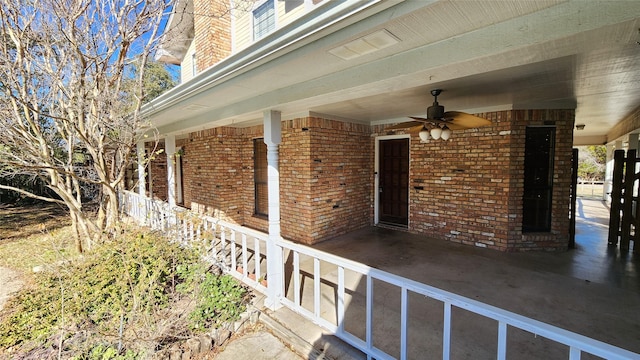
{"x":65,"y":114}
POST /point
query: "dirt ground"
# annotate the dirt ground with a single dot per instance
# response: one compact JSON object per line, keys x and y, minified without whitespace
{"x":21,"y":221}
{"x":10,"y":282}
{"x":18,"y":223}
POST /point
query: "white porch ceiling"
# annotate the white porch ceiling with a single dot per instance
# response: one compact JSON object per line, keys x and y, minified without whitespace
{"x":485,"y":55}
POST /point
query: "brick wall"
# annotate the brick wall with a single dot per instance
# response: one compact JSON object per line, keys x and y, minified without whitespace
{"x":469,"y":189}
{"x":459,"y":188}
{"x":328,"y":173}
{"x":187,"y":172}
{"x":212,"y":25}
{"x":158,"y":170}
{"x":212,"y":175}
{"x":325,"y":189}
{"x":557,"y":238}
{"x":466,"y":190}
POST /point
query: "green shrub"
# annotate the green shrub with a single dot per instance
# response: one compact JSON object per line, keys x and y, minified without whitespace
{"x":119,"y":296}
{"x":220,"y":299}
{"x":102,"y":352}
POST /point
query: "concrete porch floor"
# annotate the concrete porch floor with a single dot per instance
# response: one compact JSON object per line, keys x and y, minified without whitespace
{"x":592,"y":290}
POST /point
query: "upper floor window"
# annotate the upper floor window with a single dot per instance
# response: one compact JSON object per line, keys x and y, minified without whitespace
{"x":290,"y":5}
{"x":264,"y":19}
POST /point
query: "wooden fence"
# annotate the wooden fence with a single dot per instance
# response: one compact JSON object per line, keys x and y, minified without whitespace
{"x":624,"y":220}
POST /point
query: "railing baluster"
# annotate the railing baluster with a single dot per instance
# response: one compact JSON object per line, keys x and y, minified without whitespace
{"x":502,"y":340}
{"x":574,"y":353}
{"x":404,"y":302}
{"x":185,"y":229}
{"x":296,"y":278}
{"x":257,"y":255}
{"x":223,"y":244}
{"x":369,"y":316}
{"x":232,"y":243}
{"x":245,"y":270}
{"x":316,"y":287}
{"x":212,"y":237}
{"x":340,"y":309}
{"x":446,"y":336}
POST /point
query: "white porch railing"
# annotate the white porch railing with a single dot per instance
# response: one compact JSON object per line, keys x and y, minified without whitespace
{"x":337,"y":293}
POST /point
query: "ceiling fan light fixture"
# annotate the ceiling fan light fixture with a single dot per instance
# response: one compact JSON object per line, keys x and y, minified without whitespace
{"x":436,"y":132}
{"x":446,"y":133}
{"x":424,"y":135}
{"x":435,"y":125}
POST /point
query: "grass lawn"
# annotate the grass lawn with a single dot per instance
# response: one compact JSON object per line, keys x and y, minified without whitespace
{"x":34,"y":235}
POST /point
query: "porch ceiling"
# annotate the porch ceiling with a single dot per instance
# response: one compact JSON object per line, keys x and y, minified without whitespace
{"x":486,"y":55}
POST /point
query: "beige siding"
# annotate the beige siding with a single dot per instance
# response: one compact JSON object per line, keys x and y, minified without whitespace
{"x":186,"y":67}
{"x":284,"y":17}
{"x":243,"y":36}
{"x":243,"y":32}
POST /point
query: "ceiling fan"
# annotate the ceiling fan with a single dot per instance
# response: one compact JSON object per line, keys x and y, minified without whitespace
{"x":438,"y":123}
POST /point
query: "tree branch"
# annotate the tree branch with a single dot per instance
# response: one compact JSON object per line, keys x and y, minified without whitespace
{"x":31,"y":195}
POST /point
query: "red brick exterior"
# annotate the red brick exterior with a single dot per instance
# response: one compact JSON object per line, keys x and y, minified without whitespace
{"x":326,"y":177}
{"x":325,"y":189}
{"x":212,"y":25}
{"x":466,"y":190}
{"x":469,"y":189}
{"x":558,"y":237}
{"x":158,"y":171}
{"x":187,"y":172}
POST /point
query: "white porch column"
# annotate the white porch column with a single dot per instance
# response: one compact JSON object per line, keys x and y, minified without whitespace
{"x":142,"y":179}
{"x":272,"y":138}
{"x":170,"y":149}
{"x":608,"y":173}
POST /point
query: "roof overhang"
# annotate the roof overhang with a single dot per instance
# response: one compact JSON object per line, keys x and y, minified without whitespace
{"x":504,"y":55}
{"x":178,"y":33}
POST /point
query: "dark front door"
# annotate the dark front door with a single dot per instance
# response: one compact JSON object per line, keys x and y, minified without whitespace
{"x":394,"y":182}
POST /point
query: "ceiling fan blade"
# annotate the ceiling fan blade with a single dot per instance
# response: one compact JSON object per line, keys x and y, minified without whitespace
{"x":420,"y":119}
{"x":406,"y":125}
{"x":461,"y":120}
{"x":429,"y":121}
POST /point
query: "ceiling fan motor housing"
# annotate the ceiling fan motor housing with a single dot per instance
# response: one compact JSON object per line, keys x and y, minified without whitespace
{"x":435,"y":111}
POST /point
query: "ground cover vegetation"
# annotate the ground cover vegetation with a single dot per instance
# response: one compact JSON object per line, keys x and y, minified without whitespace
{"x":130,"y":296}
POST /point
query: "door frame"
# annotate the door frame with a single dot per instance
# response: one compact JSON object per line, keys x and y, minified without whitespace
{"x":376,"y":167}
